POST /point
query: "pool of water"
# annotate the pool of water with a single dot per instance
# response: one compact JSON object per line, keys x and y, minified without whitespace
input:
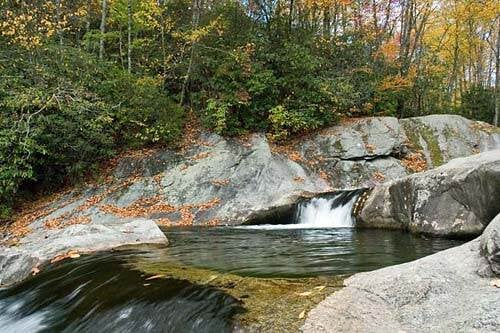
{"x":107,"y":292}
{"x":272,"y":251}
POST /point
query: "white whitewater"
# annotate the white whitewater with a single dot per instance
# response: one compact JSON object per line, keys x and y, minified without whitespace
{"x":334,"y":211}
{"x":326,"y":213}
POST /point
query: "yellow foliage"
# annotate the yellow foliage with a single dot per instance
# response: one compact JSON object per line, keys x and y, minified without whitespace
{"x":388,"y":50}
{"x":30,"y":24}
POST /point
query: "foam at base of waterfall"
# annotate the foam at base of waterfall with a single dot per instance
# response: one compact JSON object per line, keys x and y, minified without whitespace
{"x":283,"y":226}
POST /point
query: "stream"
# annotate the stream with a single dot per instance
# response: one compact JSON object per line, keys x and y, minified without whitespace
{"x":107,"y":293}
{"x":216,"y":279}
{"x":279,"y":252}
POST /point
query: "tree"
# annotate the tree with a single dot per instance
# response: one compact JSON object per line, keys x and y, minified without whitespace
{"x":497,"y":79}
{"x":129,"y":36}
{"x":103,"y":28}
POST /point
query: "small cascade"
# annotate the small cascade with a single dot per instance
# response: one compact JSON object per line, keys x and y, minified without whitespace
{"x":332,"y":211}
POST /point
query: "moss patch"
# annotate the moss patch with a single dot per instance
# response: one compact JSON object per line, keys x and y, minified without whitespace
{"x":338,"y":146}
{"x":271,"y":304}
{"x":413,"y":136}
{"x":417,"y":130}
{"x":433,"y":145}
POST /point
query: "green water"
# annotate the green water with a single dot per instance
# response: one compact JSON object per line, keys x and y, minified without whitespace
{"x":274,"y":252}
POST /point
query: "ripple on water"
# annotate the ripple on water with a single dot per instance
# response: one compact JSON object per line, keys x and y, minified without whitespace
{"x":292,"y":251}
{"x":105,"y":293}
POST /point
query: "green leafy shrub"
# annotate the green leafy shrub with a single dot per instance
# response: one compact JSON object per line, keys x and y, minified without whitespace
{"x":62,"y":112}
{"x":479,"y":103}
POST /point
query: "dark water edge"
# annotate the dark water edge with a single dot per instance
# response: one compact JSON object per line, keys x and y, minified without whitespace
{"x":100,"y":293}
{"x":261,"y":252}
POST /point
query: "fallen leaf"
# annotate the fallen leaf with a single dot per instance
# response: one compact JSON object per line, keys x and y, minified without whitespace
{"x":213,"y":277}
{"x":305,"y":293}
{"x":302,"y":315}
{"x":146,"y":284}
{"x":159,"y":276}
{"x":320,"y":288}
{"x":35,"y":271}
{"x":74,"y":255}
{"x":495,"y":283}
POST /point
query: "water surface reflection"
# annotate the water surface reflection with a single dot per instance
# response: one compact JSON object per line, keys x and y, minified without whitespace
{"x":279,"y":252}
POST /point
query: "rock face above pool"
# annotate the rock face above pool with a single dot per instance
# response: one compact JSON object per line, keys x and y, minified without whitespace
{"x":451,"y":291}
{"x":219,"y":180}
{"x":457,"y":199}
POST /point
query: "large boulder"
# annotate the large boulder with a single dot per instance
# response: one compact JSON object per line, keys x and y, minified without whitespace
{"x":222,"y":181}
{"x":457,"y":199}
{"x":450,"y":291}
{"x":490,"y":244}
{"x":369,"y":151}
{"x":43,"y":243}
{"x":445,"y":137}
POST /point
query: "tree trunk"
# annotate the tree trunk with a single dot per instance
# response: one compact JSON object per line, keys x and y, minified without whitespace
{"x":326,"y":22}
{"x":58,"y":20}
{"x":103,"y":28}
{"x":87,"y":24}
{"x":290,"y":16}
{"x":162,"y":36}
{"x":497,"y":80}
{"x":195,"y":20}
{"x":129,"y":36}
{"x":120,"y":48}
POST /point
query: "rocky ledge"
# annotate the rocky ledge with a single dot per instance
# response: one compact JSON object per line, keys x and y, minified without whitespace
{"x":43,"y":244}
{"x":451,"y":291}
{"x":219,"y":180}
{"x":457,"y":199}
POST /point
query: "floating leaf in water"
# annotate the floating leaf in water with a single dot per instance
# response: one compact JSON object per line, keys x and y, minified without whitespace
{"x":159,"y":276}
{"x":302,"y":315}
{"x":213,"y":277}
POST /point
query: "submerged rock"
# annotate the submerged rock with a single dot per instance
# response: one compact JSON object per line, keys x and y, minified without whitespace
{"x":440,"y":293}
{"x":457,"y":199}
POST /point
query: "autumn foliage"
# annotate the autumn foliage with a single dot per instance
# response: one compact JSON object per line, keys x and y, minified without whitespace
{"x":83,"y":80}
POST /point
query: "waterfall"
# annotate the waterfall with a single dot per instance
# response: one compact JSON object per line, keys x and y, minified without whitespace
{"x":333,"y":211}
